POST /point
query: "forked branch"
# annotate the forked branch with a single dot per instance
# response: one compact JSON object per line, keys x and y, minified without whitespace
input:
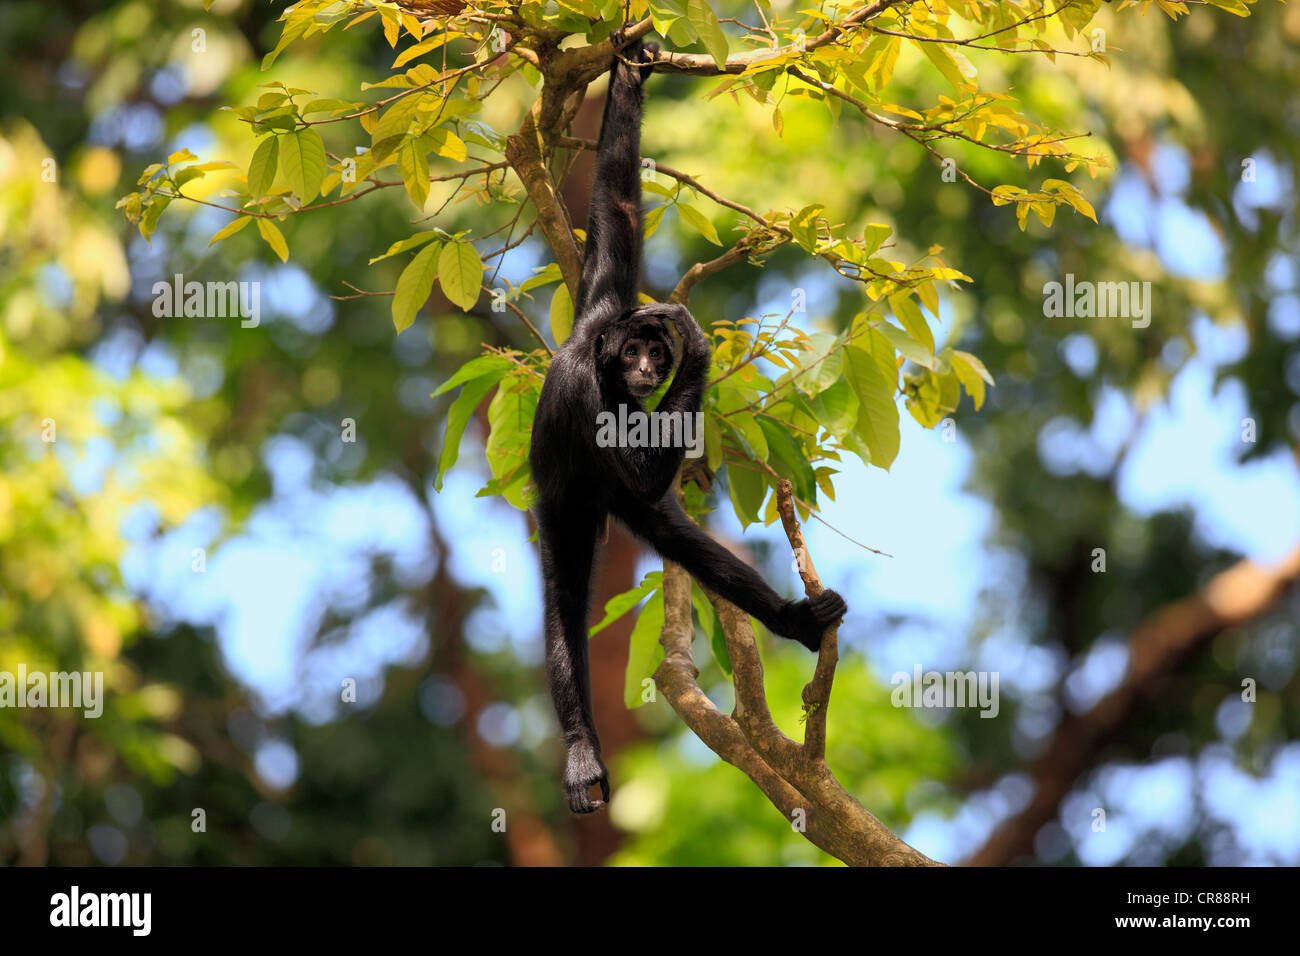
{"x":793,"y":776}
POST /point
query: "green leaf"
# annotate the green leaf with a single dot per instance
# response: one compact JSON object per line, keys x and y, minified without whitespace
{"x":949,"y":392}
{"x":561,"y":314}
{"x":510,"y":417}
{"x":909,"y":314}
{"x":644,"y":652}
{"x":747,"y":489}
{"x":789,"y":460}
{"x":274,"y":238}
{"x":874,"y":235}
{"x":713,"y":442}
{"x":712,"y":628}
{"x":877,"y":424}
{"x":261,"y":171}
{"x":908,"y":347}
{"x":700,"y":222}
{"x":882,"y":351}
{"x":545,"y":276}
{"x":149,"y":221}
{"x":932,"y":396}
{"x":403,"y":245}
{"x":620,"y":604}
{"x":328,"y":106}
{"x":837,"y":408}
{"x":972,"y":374}
{"x":458,"y":416}
{"x":705,"y":22}
{"x":955,"y":68}
{"x":738,"y":437}
{"x":186,"y":175}
{"x":827,"y":370}
{"x":446,"y":143}
{"x":295,"y":26}
{"x":420,"y":49}
{"x":395,"y":123}
{"x":664,"y":13}
{"x":413,"y":164}
{"x":1232,"y":6}
{"x":460,"y":272}
{"x":1078,"y":13}
{"x":302,"y":156}
{"x":975,"y":364}
{"x":803,"y":225}
{"x":492,"y":366}
{"x":682,"y":33}
{"x":749,"y":426}
{"x":414,"y":285}
{"x":652,"y":220}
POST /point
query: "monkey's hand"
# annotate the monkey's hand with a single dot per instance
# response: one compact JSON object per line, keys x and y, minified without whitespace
{"x":634,"y":52}
{"x":582,"y":769}
{"x":692,"y":335}
{"x":806,"y":621}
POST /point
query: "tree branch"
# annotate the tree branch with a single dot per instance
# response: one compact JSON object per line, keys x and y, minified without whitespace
{"x":788,"y":773}
{"x":817,"y":693}
{"x":525,"y":151}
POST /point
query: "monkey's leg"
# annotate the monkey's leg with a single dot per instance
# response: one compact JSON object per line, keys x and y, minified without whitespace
{"x":568,"y":539}
{"x":678,"y":539}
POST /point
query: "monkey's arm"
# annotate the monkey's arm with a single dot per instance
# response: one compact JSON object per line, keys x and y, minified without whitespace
{"x":612,"y":260}
{"x":686,"y":393}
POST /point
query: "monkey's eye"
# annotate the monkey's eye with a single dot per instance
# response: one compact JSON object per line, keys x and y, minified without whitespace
{"x":654,"y":354}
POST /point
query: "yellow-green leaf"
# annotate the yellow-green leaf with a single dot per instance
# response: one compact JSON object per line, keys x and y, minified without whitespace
{"x":403,"y":245}
{"x":561,"y":314}
{"x":460,"y":273}
{"x":969,"y":376}
{"x":803,"y":225}
{"x":700,"y":222}
{"x":414,"y":167}
{"x":302,"y":156}
{"x":909,"y":314}
{"x":446,"y":143}
{"x":414,"y":285}
{"x":274,"y":238}
{"x":877,"y":413}
{"x":705,"y":22}
{"x":231,"y":228}
{"x":419,"y":49}
{"x":261,"y":171}
{"x":644,"y":651}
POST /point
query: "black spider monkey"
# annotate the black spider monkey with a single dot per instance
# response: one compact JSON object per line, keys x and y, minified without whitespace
{"x":619,"y":353}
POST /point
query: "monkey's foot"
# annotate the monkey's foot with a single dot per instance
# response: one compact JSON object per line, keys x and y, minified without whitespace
{"x":583,"y":769}
{"x":635,"y":51}
{"x":806,"y":621}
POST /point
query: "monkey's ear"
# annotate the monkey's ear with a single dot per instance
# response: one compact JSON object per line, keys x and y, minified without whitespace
{"x":600,"y":343}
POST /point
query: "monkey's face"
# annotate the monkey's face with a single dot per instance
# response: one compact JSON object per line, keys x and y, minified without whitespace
{"x":634,"y":355}
{"x":646,"y":364}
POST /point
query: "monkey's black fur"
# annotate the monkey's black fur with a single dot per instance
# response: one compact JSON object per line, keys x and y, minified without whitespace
{"x":617,"y":354}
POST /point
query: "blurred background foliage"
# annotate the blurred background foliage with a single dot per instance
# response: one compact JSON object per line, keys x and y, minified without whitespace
{"x":197,"y":477}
